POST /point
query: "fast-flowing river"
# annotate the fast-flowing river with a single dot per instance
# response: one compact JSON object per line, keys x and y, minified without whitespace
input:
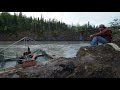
{"x":67,"y":49}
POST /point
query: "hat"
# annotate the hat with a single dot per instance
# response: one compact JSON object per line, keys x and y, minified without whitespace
{"x":102,"y":25}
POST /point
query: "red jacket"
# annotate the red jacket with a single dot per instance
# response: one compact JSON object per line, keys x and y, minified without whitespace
{"x":106,"y":33}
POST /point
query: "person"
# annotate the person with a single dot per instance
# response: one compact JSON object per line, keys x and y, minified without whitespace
{"x":104,"y":36}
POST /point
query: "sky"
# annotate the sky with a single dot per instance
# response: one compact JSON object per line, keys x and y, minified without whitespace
{"x":75,"y":18}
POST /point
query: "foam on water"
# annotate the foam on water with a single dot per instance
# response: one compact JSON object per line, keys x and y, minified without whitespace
{"x":59,"y":49}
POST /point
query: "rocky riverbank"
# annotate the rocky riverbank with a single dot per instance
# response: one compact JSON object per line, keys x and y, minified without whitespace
{"x":49,"y":36}
{"x":101,"y":61}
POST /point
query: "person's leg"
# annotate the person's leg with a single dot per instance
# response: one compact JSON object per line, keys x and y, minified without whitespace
{"x":94,"y":41}
{"x":98,"y":39}
{"x":102,"y":40}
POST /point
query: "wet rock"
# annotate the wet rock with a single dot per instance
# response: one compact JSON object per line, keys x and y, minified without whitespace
{"x":94,"y":70}
{"x":59,"y":68}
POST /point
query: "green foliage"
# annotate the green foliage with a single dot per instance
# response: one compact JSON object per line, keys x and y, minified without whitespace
{"x":115,"y":24}
{"x":115,"y":32}
{"x":55,"y":33}
{"x":41,"y":34}
{"x":20,"y":23}
{"x":78,"y":27}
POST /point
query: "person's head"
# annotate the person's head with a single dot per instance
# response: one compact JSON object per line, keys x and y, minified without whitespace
{"x":102,"y":27}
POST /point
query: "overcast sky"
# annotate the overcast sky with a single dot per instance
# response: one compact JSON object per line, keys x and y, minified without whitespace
{"x":95,"y":18}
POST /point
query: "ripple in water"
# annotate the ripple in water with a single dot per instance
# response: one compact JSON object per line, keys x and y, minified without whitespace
{"x":59,"y":49}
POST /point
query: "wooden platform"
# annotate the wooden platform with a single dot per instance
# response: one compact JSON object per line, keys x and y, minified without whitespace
{"x":27,"y":63}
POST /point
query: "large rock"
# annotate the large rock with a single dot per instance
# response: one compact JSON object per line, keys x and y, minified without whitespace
{"x":57,"y":68}
{"x":101,"y":61}
{"x":116,"y":39}
{"x":102,"y":54}
{"x":98,"y":61}
{"x":53,"y":69}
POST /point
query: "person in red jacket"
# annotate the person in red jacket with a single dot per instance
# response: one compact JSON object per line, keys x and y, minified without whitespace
{"x":104,"y":36}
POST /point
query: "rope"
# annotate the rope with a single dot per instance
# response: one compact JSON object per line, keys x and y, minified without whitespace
{"x":12,"y":44}
{"x":6,"y":56}
{"x":25,"y":43}
{"x":34,"y":42}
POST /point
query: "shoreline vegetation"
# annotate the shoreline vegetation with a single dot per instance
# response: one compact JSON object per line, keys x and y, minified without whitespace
{"x":18,"y":26}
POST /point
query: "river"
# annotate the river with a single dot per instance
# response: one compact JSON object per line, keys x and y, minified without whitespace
{"x":66,"y":49}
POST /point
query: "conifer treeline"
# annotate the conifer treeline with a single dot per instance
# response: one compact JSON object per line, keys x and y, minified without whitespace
{"x":17,"y":26}
{"x":14,"y":23}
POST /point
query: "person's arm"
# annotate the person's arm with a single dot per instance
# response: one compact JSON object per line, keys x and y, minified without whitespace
{"x":100,"y":33}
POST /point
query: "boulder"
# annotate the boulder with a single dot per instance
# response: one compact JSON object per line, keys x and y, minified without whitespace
{"x":116,"y":39}
{"x":56,"y":68}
